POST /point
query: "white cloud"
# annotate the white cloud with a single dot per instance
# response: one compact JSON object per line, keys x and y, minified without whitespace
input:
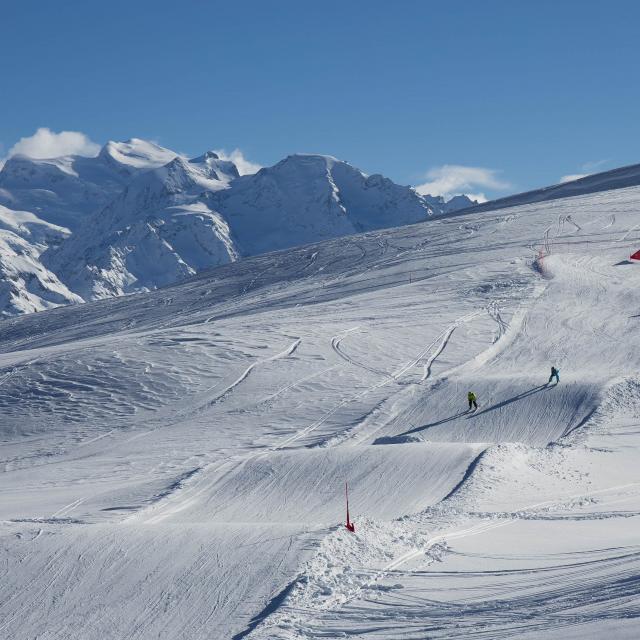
{"x":593,"y":165}
{"x":572,"y":177}
{"x":589,"y":168}
{"x":453,"y":179}
{"x":237,"y":157}
{"x":45,"y":143}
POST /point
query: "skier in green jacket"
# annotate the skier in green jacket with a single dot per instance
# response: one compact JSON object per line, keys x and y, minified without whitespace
{"x":471,"y":397}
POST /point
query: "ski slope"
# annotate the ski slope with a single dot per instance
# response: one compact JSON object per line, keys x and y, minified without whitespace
{"x":173,"y":463}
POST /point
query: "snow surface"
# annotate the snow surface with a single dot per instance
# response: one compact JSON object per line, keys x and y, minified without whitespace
{"x":65,"y":190}
{"x":143,"y":217}
{"x":42,"y":201}
{"x":175,"y":221}
{"x":173,"y":463}
{"x":27,"y":286}
{"x":614,"y":179}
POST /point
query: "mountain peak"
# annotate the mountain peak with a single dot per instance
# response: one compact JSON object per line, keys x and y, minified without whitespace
{"x":207,"y":155}
{"x":136,"y":153}
{"x":309,"y":159}
{"x":142,"y":216}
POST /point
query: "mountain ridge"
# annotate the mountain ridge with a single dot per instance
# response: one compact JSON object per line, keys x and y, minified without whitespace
{"x":619,"y":178}
{"x":138,"y":216}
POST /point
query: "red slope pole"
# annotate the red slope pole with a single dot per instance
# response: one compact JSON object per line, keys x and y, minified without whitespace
{"x":350,"y":525}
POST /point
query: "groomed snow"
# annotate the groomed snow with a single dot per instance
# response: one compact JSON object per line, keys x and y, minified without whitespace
{"x":173,"y":463}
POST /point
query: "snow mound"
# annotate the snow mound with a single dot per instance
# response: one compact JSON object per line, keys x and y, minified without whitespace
{"x":275,"y":487}
{"x":333,"y":576}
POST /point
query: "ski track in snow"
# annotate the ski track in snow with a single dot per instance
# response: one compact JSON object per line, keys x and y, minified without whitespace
{"x":170,"y":469}
{"x":446,"y":336}
{"x":335,"y":345}
{"x":188,"y":497}
{"x":243,"y":376}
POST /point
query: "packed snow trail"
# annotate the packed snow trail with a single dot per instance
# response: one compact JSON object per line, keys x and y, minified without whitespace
{"x":173,"y":463}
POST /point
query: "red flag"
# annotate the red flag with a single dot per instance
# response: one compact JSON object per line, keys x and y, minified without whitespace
{"x":350,"y":525}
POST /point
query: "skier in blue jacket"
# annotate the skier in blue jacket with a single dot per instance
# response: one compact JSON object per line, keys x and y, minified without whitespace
{"x":555,"y":373}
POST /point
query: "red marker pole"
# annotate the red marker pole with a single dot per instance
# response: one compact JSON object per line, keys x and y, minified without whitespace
{"x":350,"y":525}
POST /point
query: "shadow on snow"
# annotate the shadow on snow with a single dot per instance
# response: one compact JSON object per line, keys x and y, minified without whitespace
{"x":474,"y":414}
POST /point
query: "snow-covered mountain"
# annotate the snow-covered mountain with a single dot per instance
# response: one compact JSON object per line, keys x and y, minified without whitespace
{"x":173,"y":463}
{"x":26,"y":284}
{"x":137,"y":216}
{"x":308,"y":198}
{"x":42,"y":201}
{"x":189,"y":215}
{"x":157,"y":231}
{"x":65,"y":190}
{"x":438,"y":203}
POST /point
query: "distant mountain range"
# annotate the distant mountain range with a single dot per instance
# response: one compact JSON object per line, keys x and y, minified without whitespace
{"x":138,"y":216}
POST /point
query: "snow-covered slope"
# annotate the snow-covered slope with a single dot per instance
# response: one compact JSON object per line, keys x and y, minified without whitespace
{"x":143,"y":217}
{"x":29,"y":227}
{"x":158,"y":231}
{"x":173,"y":463}
{"x":614,"y":179}
{"x":66,"y":190}
{"x":26,"y":285}
{"x":174,"y":221}
{"x":308,"y":198}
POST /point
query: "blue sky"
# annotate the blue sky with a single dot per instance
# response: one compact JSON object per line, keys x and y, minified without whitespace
{"x":491,"y":97}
